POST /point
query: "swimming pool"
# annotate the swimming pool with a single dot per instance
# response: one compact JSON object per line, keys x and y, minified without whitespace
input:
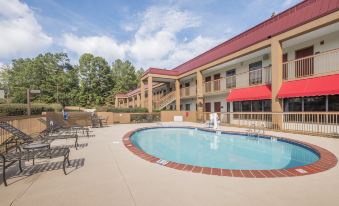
{"x":194,"y":148}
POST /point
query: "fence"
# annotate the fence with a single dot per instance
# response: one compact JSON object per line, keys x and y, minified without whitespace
{"x":314,"y":123}
{"x":317,"y":123}
{"x":29,"y":125}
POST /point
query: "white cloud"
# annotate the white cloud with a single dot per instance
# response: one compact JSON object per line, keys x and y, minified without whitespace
{"x":20,"y":33}
{"x":155,"y":42}
{"x":103,"y":46}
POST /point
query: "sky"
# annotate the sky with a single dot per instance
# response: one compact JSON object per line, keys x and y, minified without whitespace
{"x":149,"y":33}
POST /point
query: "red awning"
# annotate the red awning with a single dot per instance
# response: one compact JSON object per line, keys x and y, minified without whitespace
{"x":250,"y":93}
{"x":317,"y":86}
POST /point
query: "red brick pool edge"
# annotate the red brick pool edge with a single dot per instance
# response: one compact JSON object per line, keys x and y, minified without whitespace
{"x":326,"y":161}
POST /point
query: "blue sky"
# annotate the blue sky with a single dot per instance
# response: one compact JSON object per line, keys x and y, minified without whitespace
{"x":159,"y":33}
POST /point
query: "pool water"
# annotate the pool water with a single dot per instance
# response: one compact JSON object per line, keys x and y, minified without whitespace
{"x":227,"y":151}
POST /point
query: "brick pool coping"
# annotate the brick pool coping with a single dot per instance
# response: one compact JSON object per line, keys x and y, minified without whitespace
{"x":327,"y":160}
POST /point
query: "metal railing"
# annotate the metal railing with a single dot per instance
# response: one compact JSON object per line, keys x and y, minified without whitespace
{"x":317,"y":123}
{"x":188,"y":91}
{"x":318,"y":64}
{"x":245,"y":79}
{"x":164,"y":101}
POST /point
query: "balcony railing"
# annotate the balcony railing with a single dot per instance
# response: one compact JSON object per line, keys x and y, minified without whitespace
{"x":245,"y":79}
{"x":315,"y":65}
{"x":188,"y":91}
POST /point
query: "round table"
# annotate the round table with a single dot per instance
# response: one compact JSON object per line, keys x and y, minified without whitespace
{"x":35,"y":146}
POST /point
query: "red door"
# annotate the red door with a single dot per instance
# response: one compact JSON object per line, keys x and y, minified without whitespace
{"x":305,"y":66}
{"x":217,"y":107}
{"x":207,"y":107}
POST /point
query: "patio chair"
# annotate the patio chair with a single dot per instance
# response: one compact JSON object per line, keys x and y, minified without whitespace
{"x":15,"y":154}
{"x":104,"y":121}
{"x":47,"y":135}
{"x":57,"y":127}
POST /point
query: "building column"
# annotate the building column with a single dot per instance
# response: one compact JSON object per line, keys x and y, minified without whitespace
{"x":138,"y":100}
{"x":116,"y":104}
{"x":142,"y":94}
{"x":277,"y":78}
{"x":200,"y":97}
{"x":177,"y":95}
{"x":133,"y":101}
{"x":150,"y":94}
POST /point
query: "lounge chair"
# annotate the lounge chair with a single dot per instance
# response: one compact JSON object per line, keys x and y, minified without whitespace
{"x":15,"y":154}
{"x":47,"y":135}
{"x":13,"y":151}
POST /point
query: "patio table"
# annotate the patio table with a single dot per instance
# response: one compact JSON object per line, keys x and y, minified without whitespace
{"x":35,"y":147}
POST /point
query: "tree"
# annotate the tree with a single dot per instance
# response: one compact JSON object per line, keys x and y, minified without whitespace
{"x":47,"y":72}
{"x":96,"y":81}
{"x":4,"y":79}
{"x":92,"y":82}
{"x":125,"y":77}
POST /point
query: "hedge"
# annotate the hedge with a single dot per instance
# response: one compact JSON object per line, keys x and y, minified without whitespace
{"x":122,"y":110}
{"x":21,"y":109}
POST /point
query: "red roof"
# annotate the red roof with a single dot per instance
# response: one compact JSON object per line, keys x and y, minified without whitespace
{"x":250,"y":93}
{"x":161,"y":71}
{"x":299,"y":14}
{"x":317,"y":86}
{"x":121,"y":95}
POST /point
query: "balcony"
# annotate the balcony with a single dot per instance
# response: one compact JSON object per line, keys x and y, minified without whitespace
{"x":245,"y":79}
{"x":315,"y":65}
{"x":190,"y":91}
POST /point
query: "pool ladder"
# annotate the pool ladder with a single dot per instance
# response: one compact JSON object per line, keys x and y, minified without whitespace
{"x":253,"y":130}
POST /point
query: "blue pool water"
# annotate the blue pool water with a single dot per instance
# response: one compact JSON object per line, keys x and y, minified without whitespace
{"x":227,"y":151}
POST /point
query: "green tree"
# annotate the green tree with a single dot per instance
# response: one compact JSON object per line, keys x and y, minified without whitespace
{"x":95,"y":80}
{"x":47,"y":72}
{"x":125,"y":76}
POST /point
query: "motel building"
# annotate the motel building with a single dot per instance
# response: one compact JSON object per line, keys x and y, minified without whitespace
{"x":281,"y":72}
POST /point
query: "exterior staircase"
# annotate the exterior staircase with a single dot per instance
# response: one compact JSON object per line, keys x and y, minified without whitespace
{"x":165,"y":100}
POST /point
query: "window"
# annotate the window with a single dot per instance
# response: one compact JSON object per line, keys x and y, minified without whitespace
{"x":267,"y":105}
{"x":257,"y":106}
{"x":187,"y":107}
{"x":293,"y":105}
{"x":333,"y":103}
{"x":246,"y":106}
{"x":255,"y":75}
{"x":315,"y":104}
{"x":230,"y":79}
{"x":187,"y":84}
{"x":236,"y":106}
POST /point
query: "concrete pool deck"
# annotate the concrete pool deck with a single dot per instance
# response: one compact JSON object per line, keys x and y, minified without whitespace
{"x":104,"y":172}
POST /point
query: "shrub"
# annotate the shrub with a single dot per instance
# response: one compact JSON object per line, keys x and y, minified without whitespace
{"x":122,"y":110}
{"x":21,"y":109}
